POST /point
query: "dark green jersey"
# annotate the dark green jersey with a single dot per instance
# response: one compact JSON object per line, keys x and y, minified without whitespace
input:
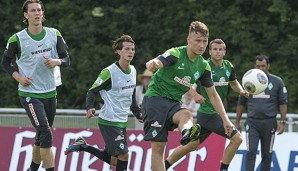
{"x":174,"y":79}
{"x":221,"y":76}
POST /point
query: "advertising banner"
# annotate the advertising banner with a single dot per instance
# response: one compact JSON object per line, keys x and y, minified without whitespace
{"x":16,"y":151}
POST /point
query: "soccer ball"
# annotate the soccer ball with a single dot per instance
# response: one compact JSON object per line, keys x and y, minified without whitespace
{"x":255,"y":81}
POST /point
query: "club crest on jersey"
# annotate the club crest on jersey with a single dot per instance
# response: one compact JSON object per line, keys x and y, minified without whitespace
{"x":228,"y":74}
{"x":196,"y":75}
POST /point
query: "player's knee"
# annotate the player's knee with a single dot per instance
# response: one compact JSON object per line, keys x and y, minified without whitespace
{"x":46,"y":137}
{"x":158,"y":148}
{"x":237,"y":139}
{"x":123,"y":157}
{"x":187,"y":114}
{"x":113,"y":161}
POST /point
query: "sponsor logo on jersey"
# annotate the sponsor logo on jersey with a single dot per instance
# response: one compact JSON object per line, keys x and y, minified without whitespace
{"x":128,"y":87}
{"x":221,"y":83}
{"x":41,"y":51}
{"x":184,"y":81}
{"x":262,"y":95}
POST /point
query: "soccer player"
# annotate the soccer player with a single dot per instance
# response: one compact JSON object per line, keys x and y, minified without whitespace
{"x":224,"y":76}
{"x":262,"y":110}
{"x":116,"y":85}
{"x":175,"y":72}
{"x":38,"y":51}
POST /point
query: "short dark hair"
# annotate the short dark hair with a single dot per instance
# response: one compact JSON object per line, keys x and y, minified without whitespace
{"x":262,"y":57}
{"x":118,"y":43}
{"x":197,"y":26}
{"x":25,"y":8}
{"x":217,"y":41}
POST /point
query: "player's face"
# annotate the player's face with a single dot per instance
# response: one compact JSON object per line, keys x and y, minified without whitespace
{"x":127,"y":52}
{"x":262,"y":65}
{"x":34,"y":14}
{"x":217,"y":52}
{"x":197,"y":43}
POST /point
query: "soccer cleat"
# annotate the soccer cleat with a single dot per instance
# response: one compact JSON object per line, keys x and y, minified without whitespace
{"x":191,"y":134}
{"x":75,"y":146}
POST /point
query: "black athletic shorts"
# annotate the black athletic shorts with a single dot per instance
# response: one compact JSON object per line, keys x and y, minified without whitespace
{"x":212,"y":123}
{"x":115,"y":139}
{"x":41,"y":113}
{"x":158,"y":113}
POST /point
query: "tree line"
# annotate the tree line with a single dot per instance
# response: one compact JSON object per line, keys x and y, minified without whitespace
{"x":248,"y":27}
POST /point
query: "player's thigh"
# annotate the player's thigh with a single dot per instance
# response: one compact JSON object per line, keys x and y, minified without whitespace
{"x":182,"y":114}
{"x":35,"y":110}
{"x":50,"y":108}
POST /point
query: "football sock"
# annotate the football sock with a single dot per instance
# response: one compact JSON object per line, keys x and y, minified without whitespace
{"x":224,"y":167}
{"x":99,"y":153}
{"x":167,"y":164}
{"x":121,"y":165}
{"x":34,"y":166}
{"x":184,"y":131}
{"x":50,"y":169}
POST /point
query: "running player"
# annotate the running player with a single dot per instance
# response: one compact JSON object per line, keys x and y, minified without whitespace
{"x":39,"y":51}
{"x":116,"y":85}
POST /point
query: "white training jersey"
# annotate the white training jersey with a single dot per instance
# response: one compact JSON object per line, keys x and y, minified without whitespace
{"x":119,"y":98}
{"x":32,"y":58}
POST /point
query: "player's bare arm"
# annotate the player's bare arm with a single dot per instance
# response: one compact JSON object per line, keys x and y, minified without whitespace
{"x":24,"y":81}
{"x":283,"y":110}
{"x":198,"y":98}
{"x":51,"y":63}
{"x":90,"y":113}
{"x":236,"y":86}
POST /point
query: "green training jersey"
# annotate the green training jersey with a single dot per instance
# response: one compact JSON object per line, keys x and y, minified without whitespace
{"x":221,"y":76}
{"x":174,"y":80}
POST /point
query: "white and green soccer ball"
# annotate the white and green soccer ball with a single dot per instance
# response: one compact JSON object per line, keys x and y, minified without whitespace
{"x":255,"y":81}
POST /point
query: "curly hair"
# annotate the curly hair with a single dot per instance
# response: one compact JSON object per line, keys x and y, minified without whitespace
{"x":118,"y":43}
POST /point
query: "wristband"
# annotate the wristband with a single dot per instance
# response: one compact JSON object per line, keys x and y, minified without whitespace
{"x":282,"y":122}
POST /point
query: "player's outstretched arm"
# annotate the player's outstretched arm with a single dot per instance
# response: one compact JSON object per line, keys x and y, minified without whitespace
{"x":154,"y":64}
